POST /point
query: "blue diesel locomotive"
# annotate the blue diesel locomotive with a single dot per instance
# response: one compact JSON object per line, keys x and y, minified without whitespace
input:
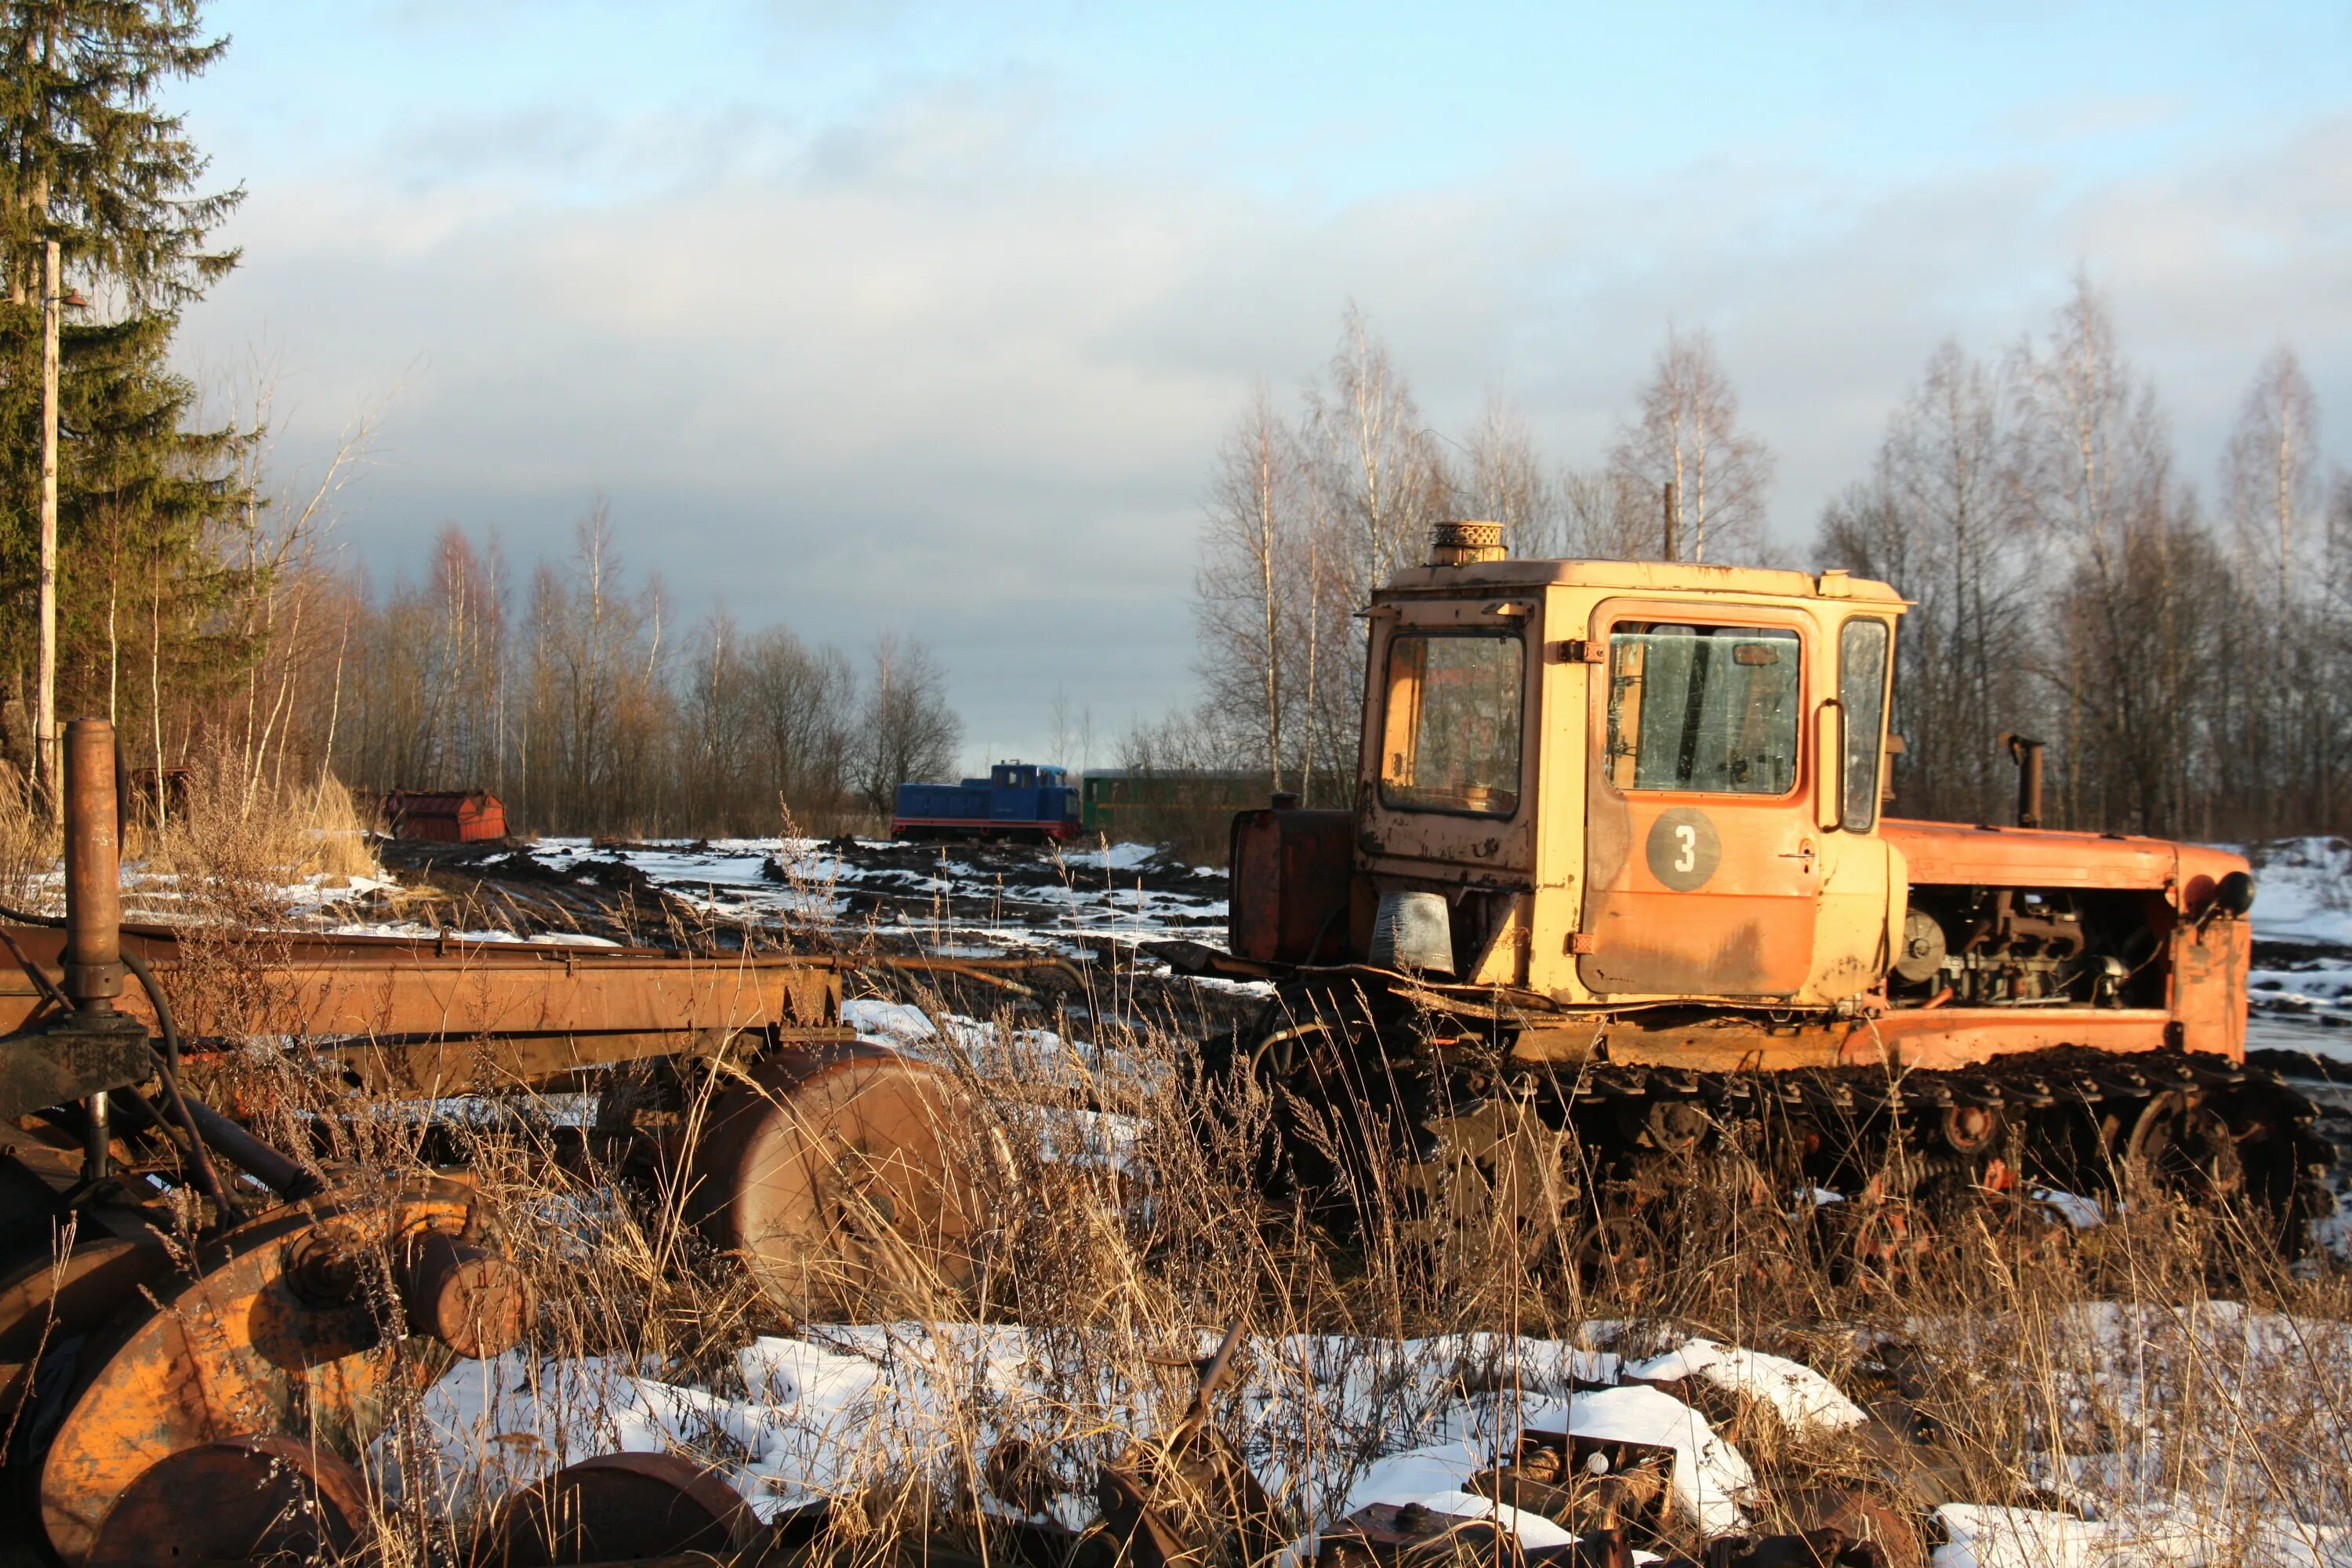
{"x":1017,"y":800}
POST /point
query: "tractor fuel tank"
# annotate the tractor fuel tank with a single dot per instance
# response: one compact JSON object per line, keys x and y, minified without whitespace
{"x":1292,"y":885}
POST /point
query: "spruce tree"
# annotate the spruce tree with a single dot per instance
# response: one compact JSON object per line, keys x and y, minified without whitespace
{"x":90,"y":160}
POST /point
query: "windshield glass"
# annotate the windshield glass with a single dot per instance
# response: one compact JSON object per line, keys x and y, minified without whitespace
{"x":1710,"y":710}
{"x":1451,"y":740}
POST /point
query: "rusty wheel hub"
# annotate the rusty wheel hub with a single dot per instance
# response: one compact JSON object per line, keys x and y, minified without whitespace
{"x":1619,"y":1256}
{"x":278,"y":1332}
{"x":2182,"y":1143}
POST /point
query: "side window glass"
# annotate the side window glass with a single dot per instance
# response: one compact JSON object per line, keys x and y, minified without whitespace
{"x":1703,"y":710}
{"x":1861,"y":691}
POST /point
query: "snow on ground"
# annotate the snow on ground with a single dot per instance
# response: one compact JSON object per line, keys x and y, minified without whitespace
{"x":418,"y":929}
{"x":1807,"y":1402}
{"x":2132,"y":1470}
{"x":844,"y":1406}
{"x":2302,"y":890}
{"x":1107,"y":891}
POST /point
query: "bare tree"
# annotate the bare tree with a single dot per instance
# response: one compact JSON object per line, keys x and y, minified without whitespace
{"x":1606,"y":514}
{"x":1687,"y":434}
{"x":1247,"y":579}
{"x":908,"y":731}
{"x":1506,"y":483}
{"x":1940,"y":519}
{"x":1385,"y":471}
{"x":2270,"y":471}
{"x":803,"y":710}
{"x":2094,"y":473}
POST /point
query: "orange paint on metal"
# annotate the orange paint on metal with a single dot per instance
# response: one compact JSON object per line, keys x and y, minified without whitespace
{"x":239,"y":1350}
{"x":1690,"y":892}
{"x":1953,"y":854}
{"x":1289,"y":885}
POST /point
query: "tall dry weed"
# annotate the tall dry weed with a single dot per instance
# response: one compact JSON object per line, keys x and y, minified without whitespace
{"x":1123,"y":1220}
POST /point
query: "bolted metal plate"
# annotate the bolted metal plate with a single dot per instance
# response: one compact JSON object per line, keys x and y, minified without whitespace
{"x":241,"y":1500}
{"x":617,"y":1506}
{"x":831,"y":1176}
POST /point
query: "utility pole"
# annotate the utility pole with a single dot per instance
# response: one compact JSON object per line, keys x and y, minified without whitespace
{"x":45,"y":706}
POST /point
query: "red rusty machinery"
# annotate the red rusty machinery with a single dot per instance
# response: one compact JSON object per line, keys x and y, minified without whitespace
{"x":444,"y":817}
{"x":186,"y":1384}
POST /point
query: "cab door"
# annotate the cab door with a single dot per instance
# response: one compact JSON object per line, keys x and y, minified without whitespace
{"x":1703,"y":856}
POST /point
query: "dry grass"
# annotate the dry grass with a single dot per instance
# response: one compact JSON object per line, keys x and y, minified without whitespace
{"x":236,"y":845}
{"x":1121,"y":1221}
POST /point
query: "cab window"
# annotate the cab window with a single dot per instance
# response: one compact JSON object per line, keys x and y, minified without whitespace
{"x":1450,"y":741}
{"x":1703,"y":710}
{"x":1862,"y":692}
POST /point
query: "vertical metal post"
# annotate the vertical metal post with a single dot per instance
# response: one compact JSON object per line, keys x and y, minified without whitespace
{"x":2027,"y":754}
{"x":1674,"y":523}
{"x":93,"y":868}
{"x":93,"y":960}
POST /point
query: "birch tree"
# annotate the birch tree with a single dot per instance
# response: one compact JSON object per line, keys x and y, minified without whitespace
{"x":1248,"y":583}
{"x":1687,"y":434}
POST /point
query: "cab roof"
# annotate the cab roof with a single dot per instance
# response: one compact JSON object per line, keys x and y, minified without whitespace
{"x":1645,"y":577}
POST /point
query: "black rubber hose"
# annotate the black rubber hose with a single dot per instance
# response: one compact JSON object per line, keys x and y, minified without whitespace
{"x":207,"y":1177}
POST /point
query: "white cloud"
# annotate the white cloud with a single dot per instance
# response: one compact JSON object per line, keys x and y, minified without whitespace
{"x":938,"y":369}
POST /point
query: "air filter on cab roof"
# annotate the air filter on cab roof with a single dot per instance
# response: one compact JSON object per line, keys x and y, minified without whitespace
{"x":1466,"y":544}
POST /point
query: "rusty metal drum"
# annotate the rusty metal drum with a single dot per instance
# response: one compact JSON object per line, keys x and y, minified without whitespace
{"x":833,"y":1173}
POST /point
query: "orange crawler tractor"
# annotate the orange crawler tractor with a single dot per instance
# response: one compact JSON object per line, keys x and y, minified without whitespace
{"x":1615,"y":895}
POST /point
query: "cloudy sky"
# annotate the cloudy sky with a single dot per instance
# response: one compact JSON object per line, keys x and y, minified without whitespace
{"x":926,"y":317}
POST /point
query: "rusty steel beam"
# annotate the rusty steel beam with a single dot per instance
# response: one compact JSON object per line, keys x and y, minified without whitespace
{"x":93,"y":856}
{"x":390,"y":988}
{"x":485,"y":1064}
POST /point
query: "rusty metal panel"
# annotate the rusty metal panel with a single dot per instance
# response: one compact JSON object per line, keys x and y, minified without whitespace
{"x":2208,"y":984}
{"x":448,"y":817}
{"x":1289,"y":890}
{"x":394,"y":987}
{"x":1963,"y":1037}
{"x":507,"y":1063}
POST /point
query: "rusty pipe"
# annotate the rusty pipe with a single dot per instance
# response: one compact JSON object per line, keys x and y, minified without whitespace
{"x":281,"y":1175}
{"x":93,"y":957}
{"x":2027,"y":754}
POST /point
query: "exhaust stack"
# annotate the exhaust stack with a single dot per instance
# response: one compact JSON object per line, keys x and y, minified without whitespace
{"x":1466,"y":544}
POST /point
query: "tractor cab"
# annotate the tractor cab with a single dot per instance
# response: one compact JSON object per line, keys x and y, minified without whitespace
{"x":1609,"y":783}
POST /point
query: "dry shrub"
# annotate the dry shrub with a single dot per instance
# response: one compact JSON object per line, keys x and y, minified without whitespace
{"x":239,"y":843}
{"x":30,"y":854}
